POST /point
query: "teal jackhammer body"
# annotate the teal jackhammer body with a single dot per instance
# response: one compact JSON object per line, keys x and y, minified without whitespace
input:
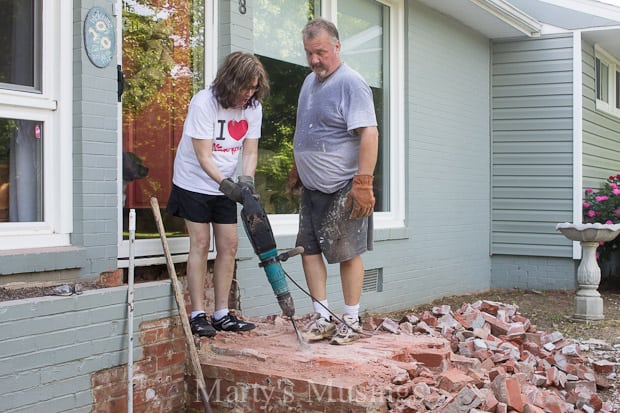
{"x":258,"y":229}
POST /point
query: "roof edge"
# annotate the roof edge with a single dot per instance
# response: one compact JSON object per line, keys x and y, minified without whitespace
{"x":511,"y":15}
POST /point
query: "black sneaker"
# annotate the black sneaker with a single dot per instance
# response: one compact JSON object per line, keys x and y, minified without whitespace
{"x":231,"y":323}
{"x":200,"y":325}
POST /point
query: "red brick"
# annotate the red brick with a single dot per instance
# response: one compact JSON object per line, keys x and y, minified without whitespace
{"x":112,"y":278}
{"x":453,"y":380}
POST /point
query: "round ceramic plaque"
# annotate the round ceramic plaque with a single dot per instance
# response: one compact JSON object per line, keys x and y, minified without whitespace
{"x":99,"y":38}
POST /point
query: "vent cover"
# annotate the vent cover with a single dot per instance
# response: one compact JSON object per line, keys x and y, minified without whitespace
{"x":373,"y":281}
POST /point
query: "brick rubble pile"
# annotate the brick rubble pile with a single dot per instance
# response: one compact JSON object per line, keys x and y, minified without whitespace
{"x":496,"y":361}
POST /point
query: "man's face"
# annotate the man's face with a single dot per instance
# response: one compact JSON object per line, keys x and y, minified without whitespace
{"x":322,"y":54}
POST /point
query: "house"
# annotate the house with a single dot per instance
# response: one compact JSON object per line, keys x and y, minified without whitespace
{"x":494,"y":115}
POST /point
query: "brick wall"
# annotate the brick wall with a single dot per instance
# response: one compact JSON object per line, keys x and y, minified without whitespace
{"x":159,"y":377}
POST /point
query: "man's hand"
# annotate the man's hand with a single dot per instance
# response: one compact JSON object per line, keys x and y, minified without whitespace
{"x":231,"y":189}
{"x":361,"y":199}
{"x":293,"y":184}
{"x":246,"y":181}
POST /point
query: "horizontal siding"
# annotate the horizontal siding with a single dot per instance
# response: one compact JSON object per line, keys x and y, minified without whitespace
{"x":601,"y":131}
{"x":532,"y":155}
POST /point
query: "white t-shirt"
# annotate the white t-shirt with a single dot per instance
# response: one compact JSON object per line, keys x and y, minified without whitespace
{"x":227,"y":128}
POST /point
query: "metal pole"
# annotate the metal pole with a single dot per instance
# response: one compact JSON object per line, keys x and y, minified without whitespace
{"x":130,"y":277}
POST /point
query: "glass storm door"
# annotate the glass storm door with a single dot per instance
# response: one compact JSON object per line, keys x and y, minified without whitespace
{"x":163,"y":65}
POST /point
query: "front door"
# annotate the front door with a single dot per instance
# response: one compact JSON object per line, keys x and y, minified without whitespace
{"x":163,"y":61}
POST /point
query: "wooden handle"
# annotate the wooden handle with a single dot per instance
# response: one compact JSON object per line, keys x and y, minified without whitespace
{"x":178,"y":295}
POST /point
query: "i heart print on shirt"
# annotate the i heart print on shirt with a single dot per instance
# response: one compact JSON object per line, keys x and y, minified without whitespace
{"x":237,"y":129}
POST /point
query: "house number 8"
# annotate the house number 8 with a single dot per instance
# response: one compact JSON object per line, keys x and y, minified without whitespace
{"x":242,"y":7}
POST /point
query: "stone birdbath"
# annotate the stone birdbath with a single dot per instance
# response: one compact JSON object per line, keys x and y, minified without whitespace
{"x":588,"y":301}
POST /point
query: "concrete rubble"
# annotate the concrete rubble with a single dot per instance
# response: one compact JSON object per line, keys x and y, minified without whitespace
{"x":499,"y":363}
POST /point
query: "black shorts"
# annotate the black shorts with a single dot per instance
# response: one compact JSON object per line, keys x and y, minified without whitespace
{"x":201,"y":208}
{"x":325,"y":227}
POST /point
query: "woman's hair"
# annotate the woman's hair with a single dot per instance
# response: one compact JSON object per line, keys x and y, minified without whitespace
{"x":237,"y":73}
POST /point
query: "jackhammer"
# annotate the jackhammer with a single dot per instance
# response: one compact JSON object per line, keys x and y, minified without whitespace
{"x":258,"y":229}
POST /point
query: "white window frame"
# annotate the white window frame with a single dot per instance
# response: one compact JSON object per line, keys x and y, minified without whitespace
{"x":53,"y":106}
{"x":613,"y":66}
{"x":287,"y":224}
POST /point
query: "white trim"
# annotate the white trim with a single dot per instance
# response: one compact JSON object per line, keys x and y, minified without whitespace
{"x":211,"y":40}
{"x":511,"y":15}
{"x":577,"y":136}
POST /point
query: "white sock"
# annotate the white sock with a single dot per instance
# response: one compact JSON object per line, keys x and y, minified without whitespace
{"x":318,"y":308}
{"x":195,"y":313}
{"x":352,"y":310}
{"x":219,"y":314}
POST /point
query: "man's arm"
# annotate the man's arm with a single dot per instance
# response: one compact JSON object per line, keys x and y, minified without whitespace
{"x":369,"y":149}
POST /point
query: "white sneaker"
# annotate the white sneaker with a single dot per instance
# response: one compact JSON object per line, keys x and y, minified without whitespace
{"x":348,"y":332}
{"x":318,"y":328}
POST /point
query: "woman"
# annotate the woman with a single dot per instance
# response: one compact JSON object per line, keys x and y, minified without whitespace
{"x":222,"y":122}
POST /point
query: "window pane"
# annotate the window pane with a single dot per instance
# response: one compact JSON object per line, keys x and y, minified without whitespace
{"x":163,"y":62}
{"x":280,"y":49}
{"x":363,"y":28}
{"x":21,"y":170}
{"x":617,"y":90}
{"x":602,"y":80}
{"x":20,"y":23}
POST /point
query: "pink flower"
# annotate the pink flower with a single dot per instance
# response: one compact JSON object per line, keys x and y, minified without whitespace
{"x":609,"y":221}
{"x":588,"y":190}
{"x":618,"y":176}
{"x":611,"y":178}
{"x":591,"y":213}
{"x":613,"y":185}
{"x":586,"y":205}
{"x":600,"y":198}
{"x":616,"y":191}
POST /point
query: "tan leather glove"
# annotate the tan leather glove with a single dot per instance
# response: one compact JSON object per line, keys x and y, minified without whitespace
{"x":360,"y":199}
{"x":293,"y":184}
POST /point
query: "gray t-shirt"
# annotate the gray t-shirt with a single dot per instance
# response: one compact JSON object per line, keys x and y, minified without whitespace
{"x":325,"y":145}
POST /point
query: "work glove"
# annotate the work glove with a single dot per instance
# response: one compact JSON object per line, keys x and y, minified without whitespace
{"x":246,"y":181}
{"x":293,"y":183}
{"x":231,"y":189}
{"x":360,"y":198}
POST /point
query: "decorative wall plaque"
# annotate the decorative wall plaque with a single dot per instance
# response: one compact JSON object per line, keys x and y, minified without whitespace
{"x":99,"y":37}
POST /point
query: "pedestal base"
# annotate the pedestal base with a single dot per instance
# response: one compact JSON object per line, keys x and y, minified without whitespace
{"x":588,"y":308}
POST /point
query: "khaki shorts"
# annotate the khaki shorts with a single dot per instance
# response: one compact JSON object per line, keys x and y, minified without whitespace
{"x":325,"y":227}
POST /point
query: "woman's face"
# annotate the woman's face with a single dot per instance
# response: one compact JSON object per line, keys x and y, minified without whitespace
{"x":246,"y":92}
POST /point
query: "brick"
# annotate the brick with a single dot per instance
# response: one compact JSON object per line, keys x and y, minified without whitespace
{"x":453,"y":380}
{"x":112,"y":278}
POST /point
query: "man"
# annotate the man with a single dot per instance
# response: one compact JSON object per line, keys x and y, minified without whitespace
{"x":335,"y":150}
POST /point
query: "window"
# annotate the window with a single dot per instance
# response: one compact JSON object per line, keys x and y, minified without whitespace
{"x":35,"y":124}
{"x":607,"y":72}
{"x":371,"y":34}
